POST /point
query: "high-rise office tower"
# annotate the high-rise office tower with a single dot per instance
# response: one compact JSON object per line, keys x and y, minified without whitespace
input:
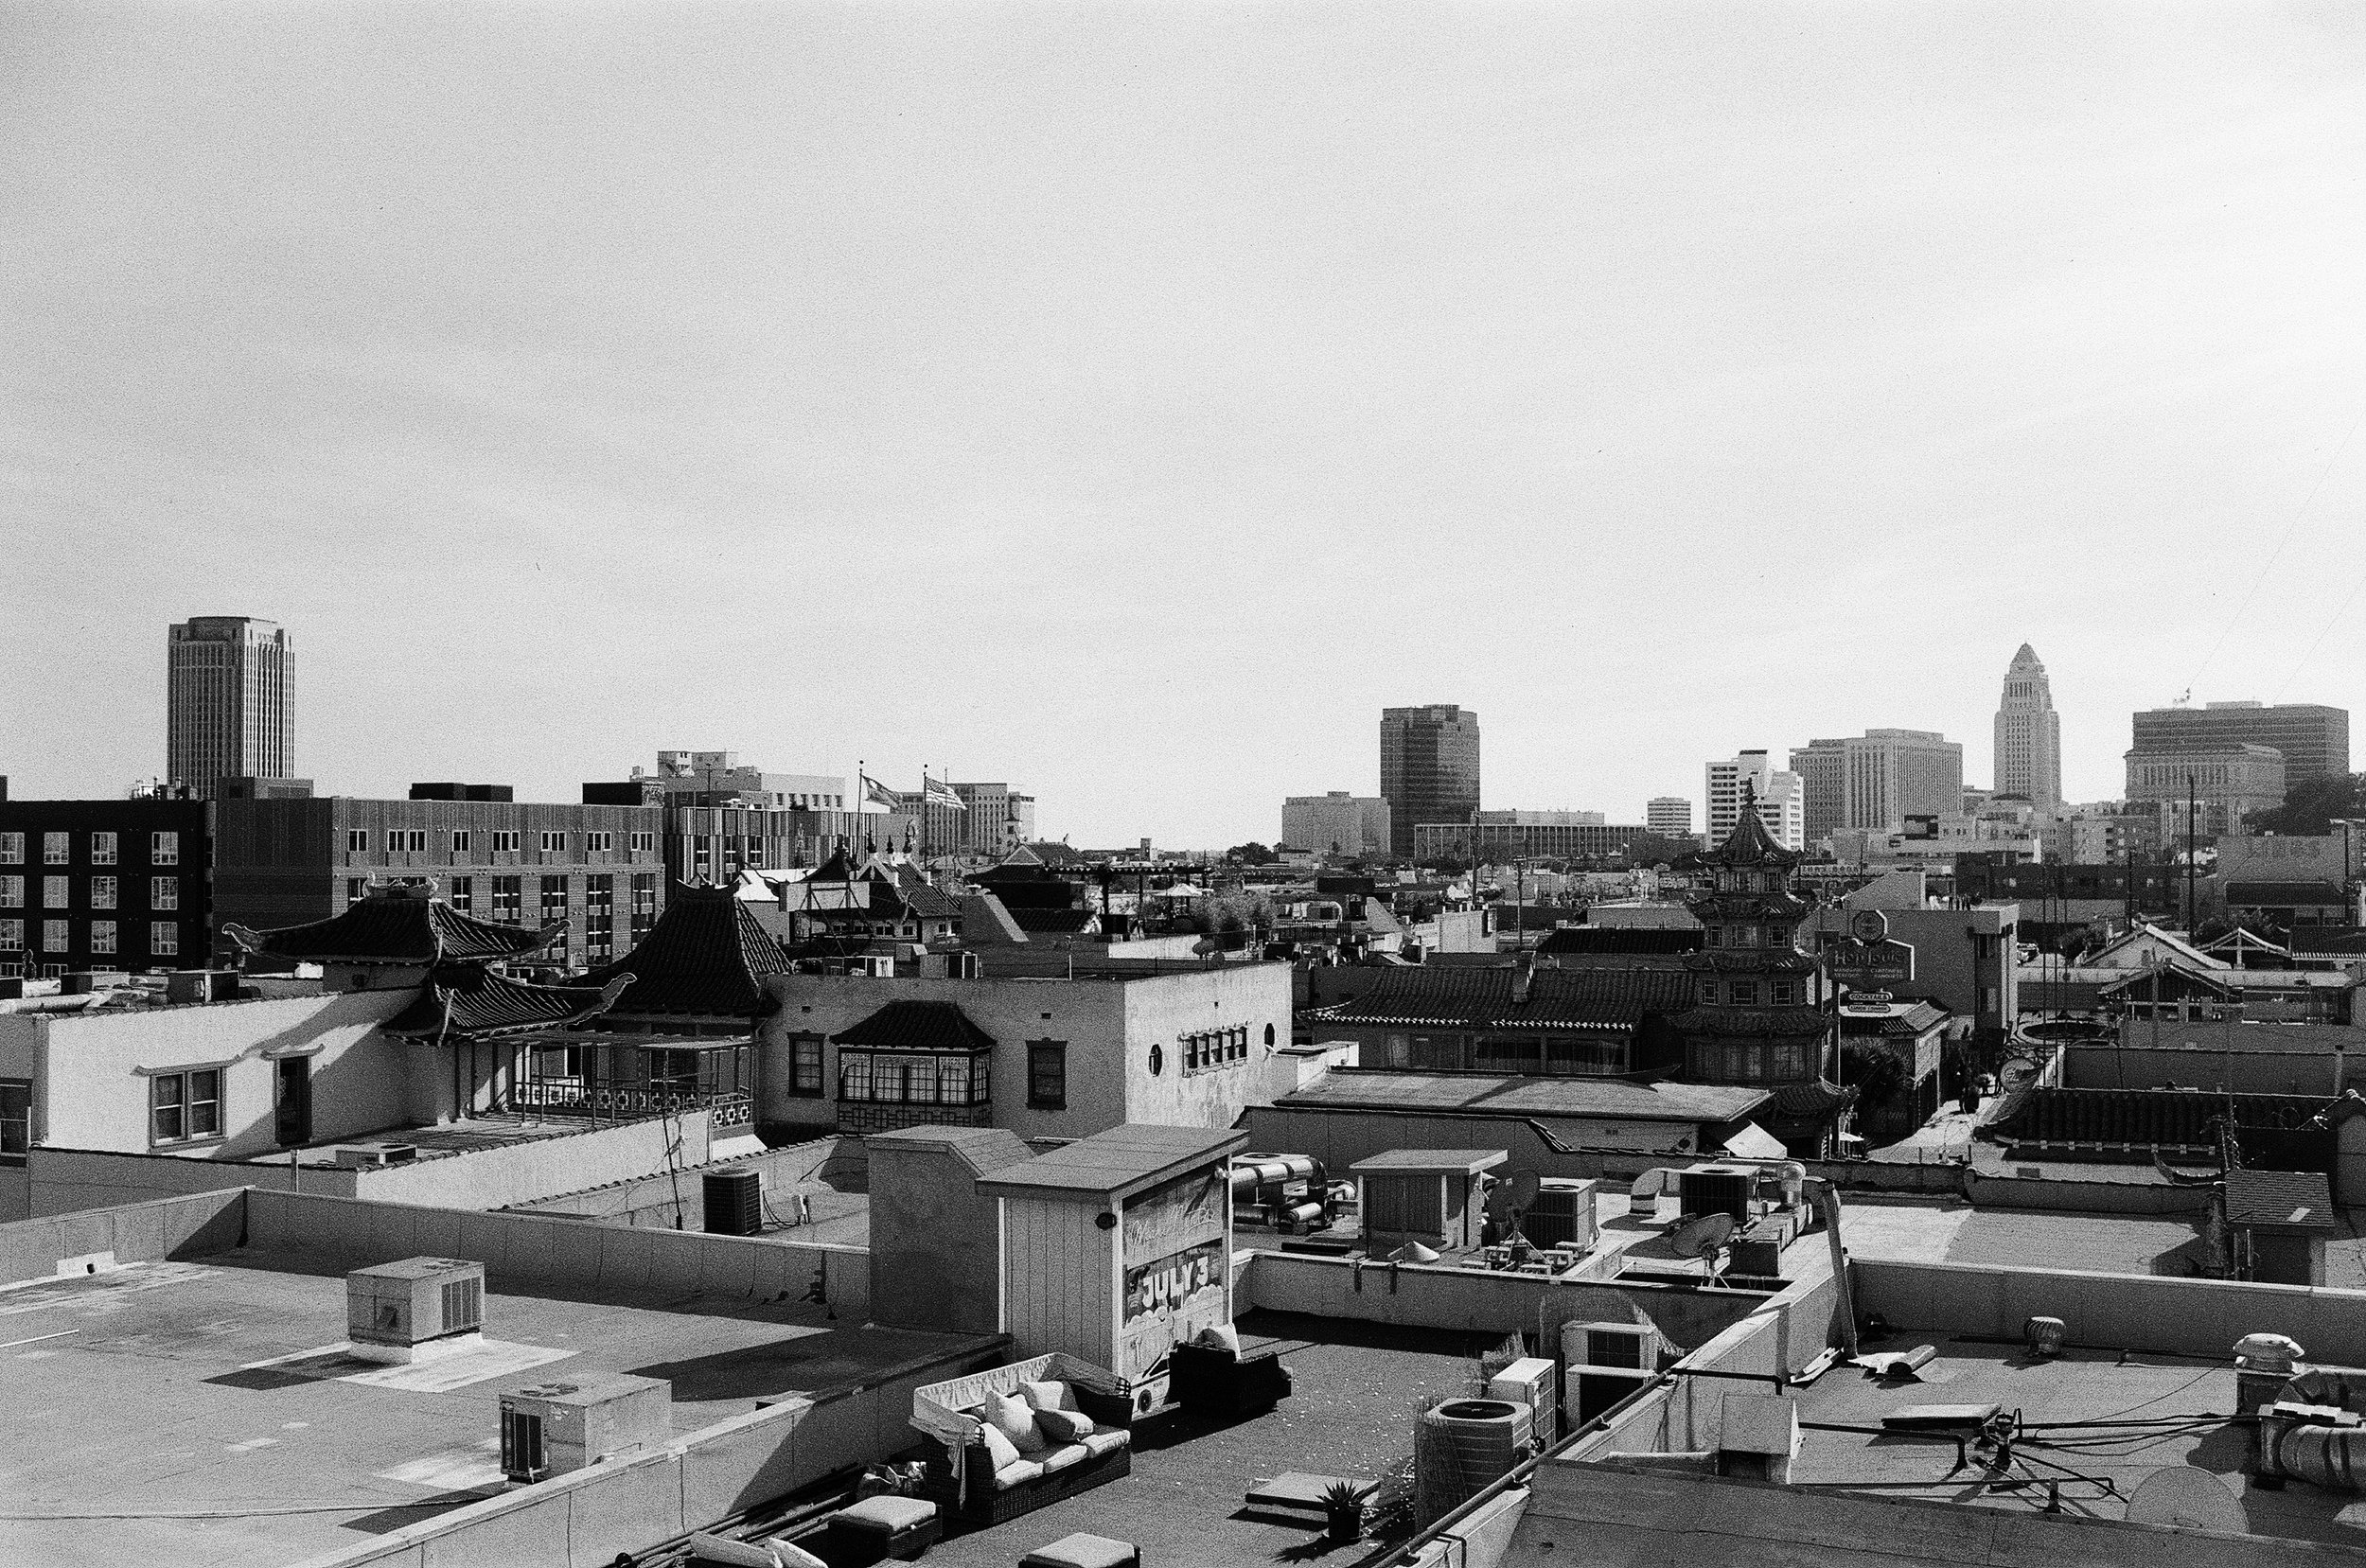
{"x":2315,"y":740}
{"x":2028,"y":734}
{"x":1822,"y":769}
{"x":1890,"y":775}
{"x":1781,"y":802}
{"x":1670,"y":816}
{"x":1429,"y":769}
{"x":226,"y":701}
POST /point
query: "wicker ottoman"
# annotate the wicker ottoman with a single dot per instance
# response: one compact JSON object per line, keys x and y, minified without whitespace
{"x":1083,"y":1551}
{"x":879,"y":1527}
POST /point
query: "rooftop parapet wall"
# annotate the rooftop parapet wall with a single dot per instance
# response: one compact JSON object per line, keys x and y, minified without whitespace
{"x":132,"y":1233}
{"x":2196,"y":1317}
{"x":67,"y":1179}
{"x":660,"y":1198}
{"x":524,"y":1251}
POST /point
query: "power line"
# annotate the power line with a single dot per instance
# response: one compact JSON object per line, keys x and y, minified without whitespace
{"x":2323,"y":474}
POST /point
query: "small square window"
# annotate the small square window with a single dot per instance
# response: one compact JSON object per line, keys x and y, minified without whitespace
{"x":163,"y":937}
{"x":164,"y":848}
{"x":57,"y":849}
{"x":103,"y":892}
{"x":459,"y":841}
{"x":102,"y":936}
{"x":54,"y":893}
{"x":357,"y":840}
{"x":11,"y":849}
{"x":164,"y":892}
{"x":12,"y":892}
{"x":102,"y":849}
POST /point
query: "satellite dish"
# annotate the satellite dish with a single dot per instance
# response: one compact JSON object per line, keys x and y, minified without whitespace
{"x":2184,"y":1498}
{"x":1697,"y":1238}
{"x":1509,"y":1198}
{"x":2013,"y":1071}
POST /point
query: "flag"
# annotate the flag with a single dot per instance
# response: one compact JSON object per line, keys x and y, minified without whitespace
{"x":936,"y":792}
{"x":877,"y":794}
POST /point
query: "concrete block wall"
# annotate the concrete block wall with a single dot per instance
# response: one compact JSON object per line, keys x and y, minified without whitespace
{"x":587,"y":1519}
{"x":2135,"y":1311}
{"x":519,"y":1251}
{"x":520,"y":1173}
{"x":837,"y":1163}
{"x":65,"y":1180}
{"x":135,"y":1233}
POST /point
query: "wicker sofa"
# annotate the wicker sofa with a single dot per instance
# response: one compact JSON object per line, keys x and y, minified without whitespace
{"x":962,"y":1477}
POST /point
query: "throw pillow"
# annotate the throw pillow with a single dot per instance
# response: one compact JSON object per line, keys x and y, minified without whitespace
{"x":793,"y":1556}
{"x":1000,"y":1451}
{"x":1049,"y":1395}
{"x":1064,"y":1426}
{"x":1010,"y":1416}
{"x":1223,"y":1336}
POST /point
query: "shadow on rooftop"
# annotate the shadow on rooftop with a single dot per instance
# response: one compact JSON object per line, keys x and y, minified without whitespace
{"x":1285,"y":1332}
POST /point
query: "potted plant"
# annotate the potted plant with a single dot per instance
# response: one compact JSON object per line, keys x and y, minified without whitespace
{"x":1343,"y":1510}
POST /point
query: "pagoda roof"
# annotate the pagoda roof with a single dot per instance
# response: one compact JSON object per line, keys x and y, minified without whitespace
{"x":1618,"y":940}
{"x":1748,"y":960}
{"x":470,"y":1001}
{"x":1740,"y":905}
{"x":402,"y":924}
{"x":707,"y":957}
{"x":1821,"y":1098}
{"x":1750,"y":844}
{"x":917,"y":1025}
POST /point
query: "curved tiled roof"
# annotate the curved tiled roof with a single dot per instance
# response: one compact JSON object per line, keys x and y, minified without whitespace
{"x":469,"y":1000}
{"x":1619,"y":938}
{"x":397,"y":926}
{"x":917,"y":1025}
{"x":1494,"y":998}
{"x":1786,"y":1022}
{"x":706,"y":958}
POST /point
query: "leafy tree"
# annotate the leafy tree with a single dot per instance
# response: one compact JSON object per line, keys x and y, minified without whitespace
{"x":1877,"y":1075}
{"x":2310,"y":806}
{"x":1251,"y":854}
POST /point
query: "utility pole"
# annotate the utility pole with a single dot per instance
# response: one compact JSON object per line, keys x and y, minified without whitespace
{"x":2189,"y":854}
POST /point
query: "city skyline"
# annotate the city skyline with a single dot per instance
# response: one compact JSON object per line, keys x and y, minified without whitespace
{"x":391,"y":777}
{"x":549,"y":454}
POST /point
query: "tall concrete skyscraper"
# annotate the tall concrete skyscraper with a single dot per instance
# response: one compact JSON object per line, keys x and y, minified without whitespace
{"x":1780,"y":799}
{"x":226,"y":701}
{"x":2028,"y":733}
{"x":1429,"y":769}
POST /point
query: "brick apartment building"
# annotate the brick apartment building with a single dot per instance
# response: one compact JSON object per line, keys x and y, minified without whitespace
{"x":103,"y":884}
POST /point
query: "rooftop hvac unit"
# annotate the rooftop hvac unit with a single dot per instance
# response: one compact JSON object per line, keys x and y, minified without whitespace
{"x":1530,"y":1381}
{"x":202,"y":985}
{"x":1627,"y":1347}
{"x":1561,"y":1216}
{"x":1462,"y":1446}
{"x":416,"y":1309}
{"x":553,"y":1428}
{"x":1591,"y":1391}
{"x":1717,"y":1188}
{"x":735,"y":1202}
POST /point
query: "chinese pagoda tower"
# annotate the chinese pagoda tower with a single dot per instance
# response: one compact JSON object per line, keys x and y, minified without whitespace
{"x":1759,"y":1018}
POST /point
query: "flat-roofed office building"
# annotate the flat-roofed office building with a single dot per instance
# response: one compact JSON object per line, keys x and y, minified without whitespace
{"x":2314,"y":739}
{"x":1429,"y":769}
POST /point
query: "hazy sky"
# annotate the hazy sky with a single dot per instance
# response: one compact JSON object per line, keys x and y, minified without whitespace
{"x":1130,"y":401}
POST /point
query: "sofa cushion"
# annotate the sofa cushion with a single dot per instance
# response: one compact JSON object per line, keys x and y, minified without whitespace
{"x":890,"y":1513}
{"x":1105,"y":1438}
{"x":1049,"y":1395}
{"x":1014,"y":1474}
{"x":1011,"y":1416}
{"x":790,"y":1554}
{"x":1064,"y":1426}
{"x":1064,"y":1455}
{"x":1000,"y":1451}
{"x":1083,"y":1551}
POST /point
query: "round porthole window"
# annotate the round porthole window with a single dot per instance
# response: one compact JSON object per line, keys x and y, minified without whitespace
{"x":1157,"y":1059}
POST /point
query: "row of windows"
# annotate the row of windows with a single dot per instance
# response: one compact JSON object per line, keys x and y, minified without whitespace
{"x":498,"y":841}
{"x":1746,"y":993}
{"x":932,"y":1078}
{"x":57,"y":849}
{"x":164,"y":935}
{"x":1215,"y":1047}
{"x":1741,"y":1062}
{"x":1552,"y":1055}
{"x":164,"y":892}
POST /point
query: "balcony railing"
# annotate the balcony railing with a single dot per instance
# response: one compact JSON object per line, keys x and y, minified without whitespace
{"x":572,"y":1097}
